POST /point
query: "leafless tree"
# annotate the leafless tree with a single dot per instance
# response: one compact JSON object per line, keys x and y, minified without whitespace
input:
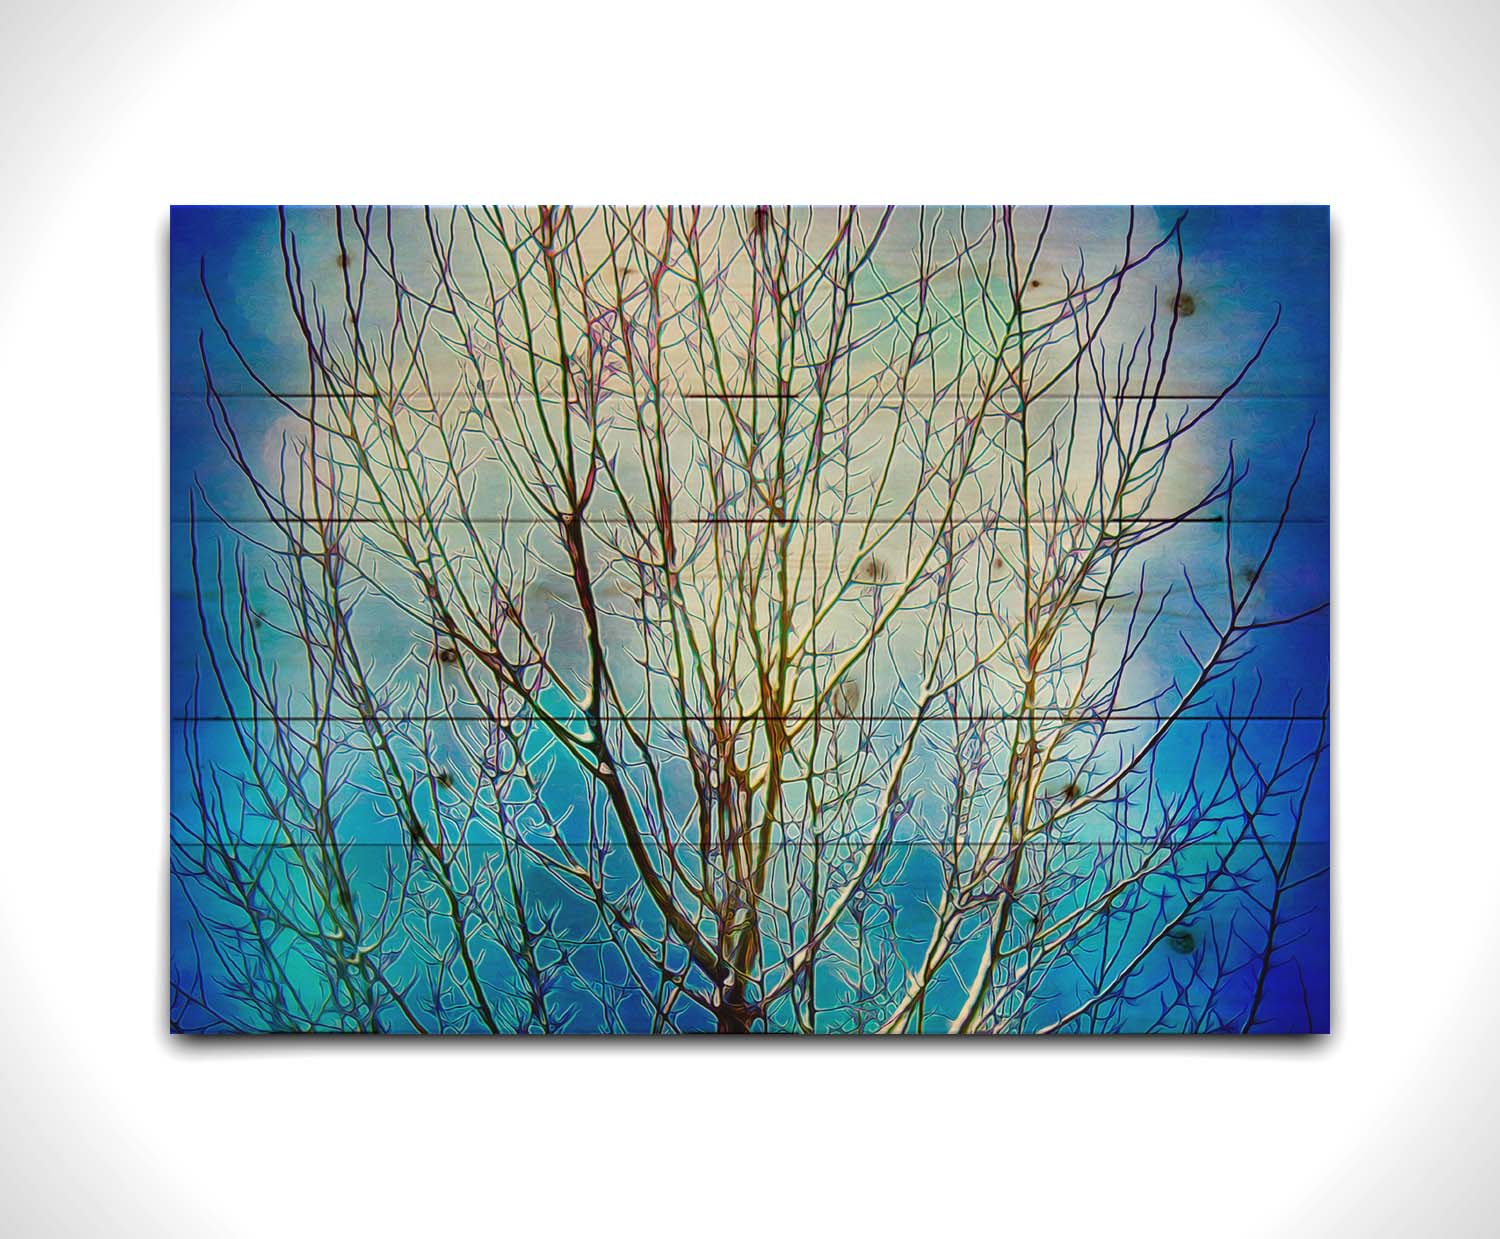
{"x":743,"y":619}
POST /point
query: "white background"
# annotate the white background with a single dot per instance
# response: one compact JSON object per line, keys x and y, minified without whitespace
{"x":112,"y":111}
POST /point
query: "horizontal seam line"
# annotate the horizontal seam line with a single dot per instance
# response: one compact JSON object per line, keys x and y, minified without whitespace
{"x":650,"y":522}
{"x":785,"y":843}
{"x":752,"y":718}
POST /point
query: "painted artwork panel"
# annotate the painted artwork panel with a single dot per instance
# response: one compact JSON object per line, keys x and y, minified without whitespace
{"x":753,"y":619}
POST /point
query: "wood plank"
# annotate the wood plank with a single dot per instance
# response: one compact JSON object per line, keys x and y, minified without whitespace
{"x":841,"y":459}
{"x":928,"y":295}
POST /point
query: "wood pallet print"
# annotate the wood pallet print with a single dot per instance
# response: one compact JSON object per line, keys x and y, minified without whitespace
{"x":750,"y":620}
